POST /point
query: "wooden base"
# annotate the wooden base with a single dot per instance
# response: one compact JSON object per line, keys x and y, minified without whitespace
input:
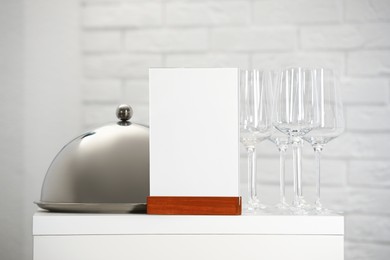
{"x":194,"y":205}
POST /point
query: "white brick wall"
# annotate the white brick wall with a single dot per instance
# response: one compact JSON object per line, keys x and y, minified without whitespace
{"x":253,"y":39}
{"x":123,"y":38}
{"x":167,"y":40}
{"x":209,"y":13}
{"x":367,"y":10}
{"x":378,"y":177}
{"x":122,"y":15}
{"x":346,"y":37}
{"x":297,"y":11}
{"x":106,"y":90}
{"x":122,"y":65}
{"x":102,"y":41}
{"x":375,"y":63}
{"x":358,"y":91}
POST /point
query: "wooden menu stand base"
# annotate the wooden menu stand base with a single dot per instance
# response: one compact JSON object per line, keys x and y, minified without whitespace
{"x":194,"y":205}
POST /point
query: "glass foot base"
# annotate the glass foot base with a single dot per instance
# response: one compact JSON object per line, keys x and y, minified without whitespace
{"x":319,"y":209}
{"x":280,"y":209}
{"x":300,"y":206}
{"x":282,"y":205}
{"x":253,"y":206}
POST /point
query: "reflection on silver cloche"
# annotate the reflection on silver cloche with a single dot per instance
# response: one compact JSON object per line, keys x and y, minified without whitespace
{"x":107,"y":168}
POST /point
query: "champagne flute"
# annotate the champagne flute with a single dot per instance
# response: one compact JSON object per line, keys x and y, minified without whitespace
{"x":255,"y":123}
{"x":331,"y":122}
{"x":296,"y":114}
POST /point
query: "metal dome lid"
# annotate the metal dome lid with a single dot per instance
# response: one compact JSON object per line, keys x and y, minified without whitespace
{"x":103,"y":170}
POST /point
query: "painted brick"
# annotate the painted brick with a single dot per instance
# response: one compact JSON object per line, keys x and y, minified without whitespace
{"x":244,"y":39}
{"x":96,"y":115}
{"x":208,"y":13}
{"x":356,"y":145}
{"x":333,"y":198}
{"x":207,"y":60}
{"x":375,"y":35}
{"x":314,"y":59}
{"x":367,"y":10}
{"x":368,"y":201}
{"x":346,"y":36}
{"x":120,"y":65}
{"x":167,"y":40}
{"x":123,"y":15}
{"x":102,"y":90}
{"x":367,"y":228}
{"x":331,"y":37}
{"x":364,"y":91}
{"x":105,"y":41}
{"x":369,"y":173}
{"x":136,"y":92}
{"x":300,"y":11}
{"x":368,"y":118}
{"x":369,"y":63}
{"x":364,"y":251}
{"x":333,"y":172}
{"x":268,"y":170}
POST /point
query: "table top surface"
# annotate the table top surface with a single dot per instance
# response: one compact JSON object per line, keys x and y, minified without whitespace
{"x":48,"y":223}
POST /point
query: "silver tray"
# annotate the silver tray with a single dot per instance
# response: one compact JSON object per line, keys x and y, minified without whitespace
{"x":93,"y":207}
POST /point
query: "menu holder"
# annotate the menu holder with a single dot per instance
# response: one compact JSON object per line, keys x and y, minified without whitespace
{"x":194,"y":141}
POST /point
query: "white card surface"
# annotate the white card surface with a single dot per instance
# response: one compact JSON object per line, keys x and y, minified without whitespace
{"x":194,"y":132}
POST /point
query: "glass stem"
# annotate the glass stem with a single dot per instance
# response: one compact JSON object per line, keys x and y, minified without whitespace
{"x":282,"y":170}
{"x":297,"y":171}
{"x":317,"y":153}
{"x":252,"y":175}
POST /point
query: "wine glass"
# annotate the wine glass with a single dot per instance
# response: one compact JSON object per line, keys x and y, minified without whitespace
{"x":331,"y":121}
{"x":295,"y":113}
{"x":255,"y":123}
{"x":281,"y":141}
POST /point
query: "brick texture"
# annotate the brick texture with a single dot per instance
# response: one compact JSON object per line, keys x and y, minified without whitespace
{"x":121,"y":39}
{"x":363,"y":251}
{"x":363,"y":173}
{"x":242,"y":39}
{"x":206,"y":13}
{"x":368,"y":118}
{"x":102,"y":90}
{"x":365,"y":91}
{"x":208,"y":60}
{"x":120,"y":65}
{"x":102,"y":41}
{"x":368,"y":228}
{"x":122,"y":15}
{"x":369,"y":63}
{"x":346,"y":37}
{"x":367,"y":10}
{"x":187,"y":40}
{"x":299,"y":11}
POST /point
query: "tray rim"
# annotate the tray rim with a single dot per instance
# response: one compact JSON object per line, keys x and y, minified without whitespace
{"x":92,"y":207}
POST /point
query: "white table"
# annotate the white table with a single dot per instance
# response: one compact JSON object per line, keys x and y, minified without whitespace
{"x":65,"y":236}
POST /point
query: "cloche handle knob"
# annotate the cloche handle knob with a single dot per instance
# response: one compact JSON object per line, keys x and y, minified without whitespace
{"x":124,"y":112}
